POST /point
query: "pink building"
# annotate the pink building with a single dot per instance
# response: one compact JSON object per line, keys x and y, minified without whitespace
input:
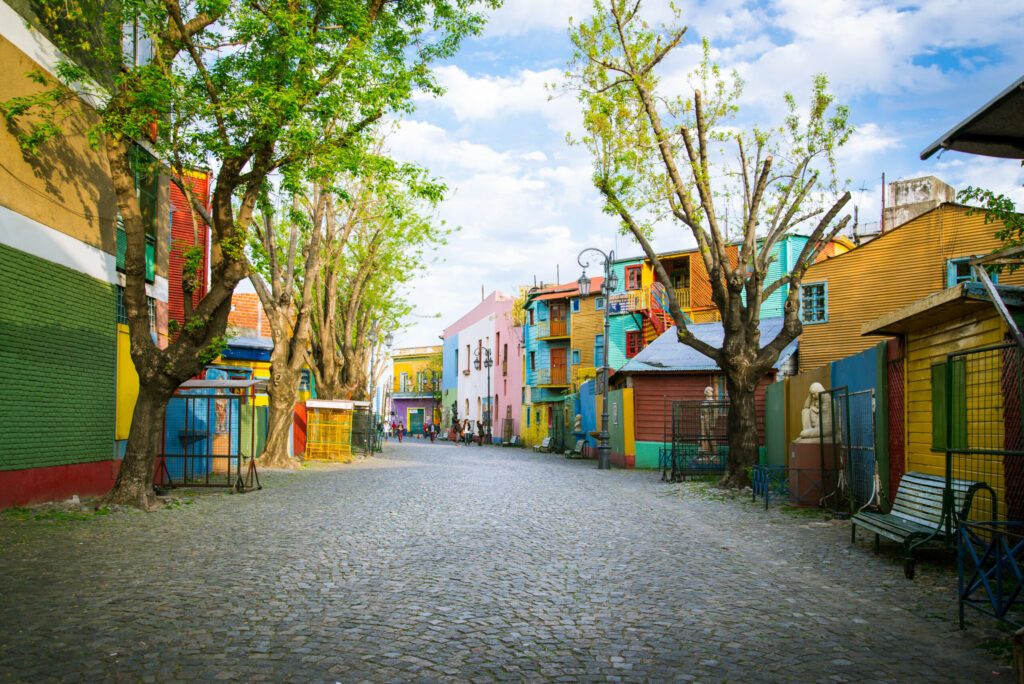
{"x":489,"y":326}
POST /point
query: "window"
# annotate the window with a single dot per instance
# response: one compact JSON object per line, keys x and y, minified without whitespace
{"x":528,"y":418}
{"x":576,"y":306}
{"x":959,"y":271}
{"x":598,"y":350}
{"x":943,"y":405}
{"x":814,"y":303}
{"x":531,"y":316}
{"x":497,"y":347}
{"x":634,"y":343}
{"x":633,"y":277}
{"x":575,"y":357}
{"x":533,"y":360}
{"x":468,"y":354}
{"x":599,"y":304}
{"x":403,"y":383}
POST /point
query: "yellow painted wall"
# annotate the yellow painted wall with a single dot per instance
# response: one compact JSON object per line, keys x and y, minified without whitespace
{"x":583,"y":327}
{"x":889,"y":272}
{"x":73,"y":196}
{"x":629,"y":423}
{"x":413,"y":365}
{"x":926,"y":348}
{"x":127,"y":384}
{"x":538,"y":429}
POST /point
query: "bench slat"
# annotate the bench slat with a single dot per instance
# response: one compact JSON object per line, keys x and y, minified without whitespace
{"x":917,"y":509}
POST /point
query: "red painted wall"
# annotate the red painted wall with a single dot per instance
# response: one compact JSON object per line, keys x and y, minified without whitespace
{"x":183,"y":235}
{"x":35,"y":485}
{"x":651,"y":390}
{"x":299,"y":430}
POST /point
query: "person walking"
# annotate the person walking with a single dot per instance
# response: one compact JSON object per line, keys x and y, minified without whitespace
{"x":401,"y":431}
{"x":469,"y":432}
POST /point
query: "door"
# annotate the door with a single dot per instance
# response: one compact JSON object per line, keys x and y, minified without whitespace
{"x":558,"y":368}
{"x":558,"y":326}
{"x":415,"y":424}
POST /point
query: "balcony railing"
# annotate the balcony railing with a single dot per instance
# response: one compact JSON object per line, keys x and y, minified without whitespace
{"x":641,"y":300}
{"x":399,"y":386}
{"x":556,"y":375}
{"x":559,"y":328}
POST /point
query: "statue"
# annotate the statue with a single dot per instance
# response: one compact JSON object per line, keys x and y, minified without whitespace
{"x":816,"y":426}
{"x":708,"y":418}
{"x":577,"y":426}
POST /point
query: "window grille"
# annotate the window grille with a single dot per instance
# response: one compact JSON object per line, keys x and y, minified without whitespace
{"x":814,"y":307}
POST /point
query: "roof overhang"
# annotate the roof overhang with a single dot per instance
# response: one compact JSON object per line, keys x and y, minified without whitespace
{"x":995,"y":130}
{"x":962,"y":300}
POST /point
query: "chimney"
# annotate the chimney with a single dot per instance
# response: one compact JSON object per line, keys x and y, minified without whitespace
{"x":910,"y":198}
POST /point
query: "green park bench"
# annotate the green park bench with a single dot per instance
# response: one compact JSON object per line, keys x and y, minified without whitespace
{"x":918,"y":515}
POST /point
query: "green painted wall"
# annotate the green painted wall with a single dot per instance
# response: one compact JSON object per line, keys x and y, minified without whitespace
{"x":57,"y":361}
{"x":647,"y":454}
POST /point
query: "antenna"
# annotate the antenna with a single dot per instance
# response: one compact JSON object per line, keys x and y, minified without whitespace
{"x":881,"y":225}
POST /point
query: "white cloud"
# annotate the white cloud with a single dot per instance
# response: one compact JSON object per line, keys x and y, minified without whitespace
{"x":475,"y":98}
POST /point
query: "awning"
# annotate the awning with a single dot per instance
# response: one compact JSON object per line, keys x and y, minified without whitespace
{"x":995,"y":130}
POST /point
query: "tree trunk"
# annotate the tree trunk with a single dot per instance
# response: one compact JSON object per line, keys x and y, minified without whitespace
{"x":743,"y":433}
{"x":134,"y":485}
{"x":282,"y":391}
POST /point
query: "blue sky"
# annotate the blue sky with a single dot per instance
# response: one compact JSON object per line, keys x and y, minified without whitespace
{"x":523,"y":198}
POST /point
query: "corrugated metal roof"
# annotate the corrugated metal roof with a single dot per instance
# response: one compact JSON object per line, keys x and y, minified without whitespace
{"x":668,"y":354}
{"x":251,"y":342}
{"x":566,"y":290}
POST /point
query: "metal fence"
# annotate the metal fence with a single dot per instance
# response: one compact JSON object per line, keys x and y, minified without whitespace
{"x":976,"y":416}
{"x":338,"y":430}
{"x":210,"y":436}
{"x":699,"y":443}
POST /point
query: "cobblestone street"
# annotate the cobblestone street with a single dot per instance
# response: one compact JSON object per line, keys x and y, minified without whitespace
{"x":434,"y":562}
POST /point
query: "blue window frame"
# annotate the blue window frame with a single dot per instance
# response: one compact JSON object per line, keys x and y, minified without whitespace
{"x":814,"y":303}
{"x":575,"y":306}
{"x":959,"y":271}
{"x":599,"y":304}
{"x":598,"y":350}
{"x":575,"y":357}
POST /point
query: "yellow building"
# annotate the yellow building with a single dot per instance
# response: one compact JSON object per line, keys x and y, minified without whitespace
{"x":586,"y":334}
{"x":416,"y":387}
{"x":925,"y":255}
{"x":963,"y":388}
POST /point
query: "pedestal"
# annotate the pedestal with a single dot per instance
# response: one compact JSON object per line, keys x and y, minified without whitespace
{"x":810,"y":475}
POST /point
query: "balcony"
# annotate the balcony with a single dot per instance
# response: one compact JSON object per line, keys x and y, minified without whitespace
{"x":399,"y":387}
{"x":548,"y":330}
{"x":651,"y":297}
{"x":555,"y":376}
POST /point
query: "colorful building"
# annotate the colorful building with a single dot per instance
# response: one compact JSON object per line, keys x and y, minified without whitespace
{"x":666,"y":371}
{"x":62,"y":410}
{"x":552,"y":354}
{"x":490,"y":325}
{"x":958,"y":333}
{"x":926,"y":254}
{"x":416,"y":387}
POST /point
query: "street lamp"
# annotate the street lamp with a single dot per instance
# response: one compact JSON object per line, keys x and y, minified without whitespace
{"x":611,"y":281}
{"x":483,"y":358}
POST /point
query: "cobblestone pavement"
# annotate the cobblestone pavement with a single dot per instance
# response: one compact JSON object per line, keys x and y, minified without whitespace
{"x":435,"y":562}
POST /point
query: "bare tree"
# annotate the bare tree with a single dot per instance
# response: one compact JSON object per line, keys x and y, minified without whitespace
{"x":653,"y":163}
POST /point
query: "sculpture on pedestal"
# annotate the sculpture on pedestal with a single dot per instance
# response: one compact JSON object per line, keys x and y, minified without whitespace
{"x":816,"y":415}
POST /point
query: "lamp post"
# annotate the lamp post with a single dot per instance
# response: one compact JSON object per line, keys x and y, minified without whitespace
{"x":611,"y":281}
{"x":483,"y":358}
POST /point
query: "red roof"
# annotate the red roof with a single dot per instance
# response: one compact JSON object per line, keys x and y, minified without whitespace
{"x":566,"y":290}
